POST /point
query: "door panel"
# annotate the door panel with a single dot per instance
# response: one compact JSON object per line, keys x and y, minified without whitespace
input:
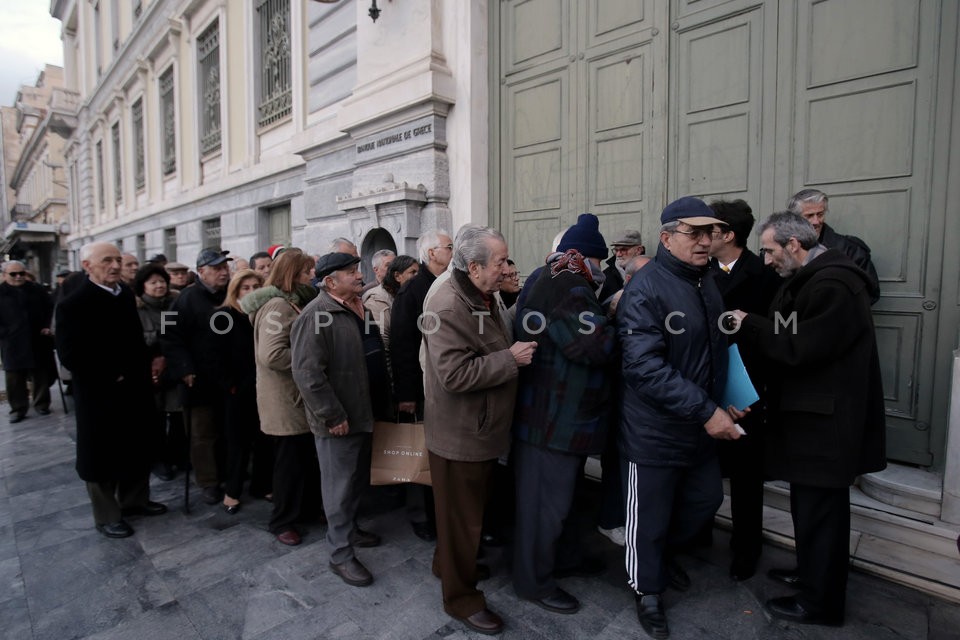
{"x":863,"y":96}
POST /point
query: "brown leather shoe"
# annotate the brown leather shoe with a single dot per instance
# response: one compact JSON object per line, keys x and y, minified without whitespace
{"x":353,"y":573}
{"x":484,"y":621}
{"x":289,"y":537}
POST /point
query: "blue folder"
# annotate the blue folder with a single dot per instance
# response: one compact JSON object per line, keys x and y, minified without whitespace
{"x":740,"y":392}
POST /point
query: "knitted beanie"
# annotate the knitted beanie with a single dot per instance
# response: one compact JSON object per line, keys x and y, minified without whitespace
{"x":585,"y":237}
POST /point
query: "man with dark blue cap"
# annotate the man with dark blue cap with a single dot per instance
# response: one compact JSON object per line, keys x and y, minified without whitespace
{"x":674,"y":373}
{"x":188,"y":342}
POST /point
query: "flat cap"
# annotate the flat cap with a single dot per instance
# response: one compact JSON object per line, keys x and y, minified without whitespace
{"x":331,"y":262}
{"x":176,"y":266}
{"x":627,"y":238}
{"x":211,"y":257}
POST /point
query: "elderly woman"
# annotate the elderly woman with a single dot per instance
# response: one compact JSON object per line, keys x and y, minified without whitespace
{"x":379,"y":300}
{"x":239,"y":378}
{"x":154,"y":296}
{"x":272,"y":310}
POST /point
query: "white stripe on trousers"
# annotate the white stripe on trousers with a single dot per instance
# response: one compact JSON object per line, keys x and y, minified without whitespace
{"x":630,"y":529}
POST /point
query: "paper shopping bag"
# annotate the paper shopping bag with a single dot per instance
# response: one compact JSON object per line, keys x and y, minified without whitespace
{"x":399,"y":454}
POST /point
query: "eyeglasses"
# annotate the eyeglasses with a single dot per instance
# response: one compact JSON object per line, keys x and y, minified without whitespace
{"x":445,"y":246}
{"x":17,"y":274}
{"x":698,"y":234}
{"x":513,"y":276}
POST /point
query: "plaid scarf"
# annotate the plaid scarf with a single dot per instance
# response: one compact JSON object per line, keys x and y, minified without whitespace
{"x":572,"y":261}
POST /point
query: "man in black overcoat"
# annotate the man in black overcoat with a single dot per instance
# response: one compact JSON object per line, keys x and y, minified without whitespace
{"x":825,"y":399}
{"x":100,"y":340}
{"x":745,"y":283}
{"x":26,"y":345}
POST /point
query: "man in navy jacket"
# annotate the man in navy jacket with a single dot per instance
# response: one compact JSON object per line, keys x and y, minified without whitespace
{"x":674,"y":373}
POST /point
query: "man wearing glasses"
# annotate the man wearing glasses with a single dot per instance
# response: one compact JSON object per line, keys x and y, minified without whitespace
{"x":26,"y":347}
{"x":674,"y":373}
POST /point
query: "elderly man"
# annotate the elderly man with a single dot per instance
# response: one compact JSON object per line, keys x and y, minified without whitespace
{"x":128,"y":270}
{"x":26,"y":346}
{"x":380,"y":263}
{"x":626,"y":246}
{"x":191,"y":350}
{"x":435,"y":250}
{"x":813,"y":205}
{"x":339,"y":368}
{"x":562,"y":414}
{"x":100,"y":340}
{"x":826,"y":402}
{"x":471,"y":374}
{"x":674,"y":374}
{"x":179,"y":275}
{"x":744,"y":283}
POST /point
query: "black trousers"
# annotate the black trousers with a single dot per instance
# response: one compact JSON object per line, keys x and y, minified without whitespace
{"x":242,"y":428}
{"x":821,"y":525}
{"x":611,"y":485}
{"x":108,"y":498}
{"x":546,"y":485}
{"x":295,"y":467}
{"x":742,"y":461}
{"x":17,"y":389}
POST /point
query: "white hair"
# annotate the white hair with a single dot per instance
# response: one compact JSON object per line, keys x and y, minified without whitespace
{"x":427,"y":241}
{"x":380,"y":256}
{"x":8,"y":263}
{"x":337,"y":242}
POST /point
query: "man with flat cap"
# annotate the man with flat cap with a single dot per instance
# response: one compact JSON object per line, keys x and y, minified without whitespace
{"x":338,"y":365}
{"x":626,"y":246}
{"x":179,"y":275}
{"x":674,"y":374}
{"x":188,"y":343}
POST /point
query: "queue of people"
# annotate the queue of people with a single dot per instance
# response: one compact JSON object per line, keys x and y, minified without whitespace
{"x":276,"y":374}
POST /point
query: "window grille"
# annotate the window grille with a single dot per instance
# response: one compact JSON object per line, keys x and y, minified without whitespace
{"x":275,"y":88}
{"x":169,"y":122}
{"x":211,"y":232}
{"x":117,"y":162}
{"x":208,"y":53}
{"x":139,"y":173}
{"x":170,"y":243}
{"x":100,"y":198}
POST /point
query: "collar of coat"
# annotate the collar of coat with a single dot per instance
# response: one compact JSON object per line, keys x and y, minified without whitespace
{"x":676,"y":266}
{"x":473,"y":296}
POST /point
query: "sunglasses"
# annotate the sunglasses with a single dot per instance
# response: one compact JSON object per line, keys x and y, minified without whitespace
{"x":16,"y":274}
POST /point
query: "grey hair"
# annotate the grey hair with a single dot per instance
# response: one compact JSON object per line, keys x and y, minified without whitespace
{"x":380,"y":256}
{"x":429,"y":240}
{"x":7,"y":264}
{"x":335,"y":245}
{"x":472,"y":246}
{"x":635,"y":264}
{"x":815,"y":196}
{"x":669,"y":227}
{"x":786,"y":225}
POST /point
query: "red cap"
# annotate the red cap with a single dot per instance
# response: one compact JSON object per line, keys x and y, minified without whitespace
{"x":274,"y":250}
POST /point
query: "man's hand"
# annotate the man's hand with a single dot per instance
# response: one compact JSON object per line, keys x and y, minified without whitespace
{"x":341,"y":429}
{"x":736,"y":414}
{"x":157,"y":365}
{"x":407,"y":407}
{"x":189,"y":379}
{"x":721,"y":427}
{"x":523,"y":352}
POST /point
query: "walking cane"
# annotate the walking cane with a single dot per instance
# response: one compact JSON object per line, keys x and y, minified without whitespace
{"x":63,"y":398}
{"x":185,"y":405}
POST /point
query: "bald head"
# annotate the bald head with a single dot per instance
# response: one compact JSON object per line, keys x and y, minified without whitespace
{"x":102,"y":262}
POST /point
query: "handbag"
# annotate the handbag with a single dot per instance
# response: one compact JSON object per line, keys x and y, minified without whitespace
{"x":399,"y":454}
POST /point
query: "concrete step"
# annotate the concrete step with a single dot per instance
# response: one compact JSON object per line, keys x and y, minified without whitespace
{"x":914,"y":489}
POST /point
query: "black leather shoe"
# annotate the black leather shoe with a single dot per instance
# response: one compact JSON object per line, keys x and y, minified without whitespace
{"x":678,"y":578}
{"x":742,"y":568}
{"x":150,"y":509}
{"x":484,"y":621}
{"x":424,"y":531}
{"x":787,"y":608}
{"x":786,"y":576}
{"x":589,"y":567}
{"x":17,"y":417}
{"x":483,"y":572}
{"x":651,"y":616}
{"x":361,"y":538}
{"x":118,"y":529}
{"x":43,"y":412}
{"x":558,"y":602}
{"x":210,"y":495}
{"x":353,"y":573}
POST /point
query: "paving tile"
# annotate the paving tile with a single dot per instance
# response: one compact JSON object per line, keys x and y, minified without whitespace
{"x":48,"y":500}
{"x":162,"y":623}
{"x":37,"y":478}
{"x":11,"y":580}
{"x":15,"y":621}
{"x":54,"y":528}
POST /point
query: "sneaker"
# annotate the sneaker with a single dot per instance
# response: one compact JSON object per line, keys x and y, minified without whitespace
{"x":617,"y":535}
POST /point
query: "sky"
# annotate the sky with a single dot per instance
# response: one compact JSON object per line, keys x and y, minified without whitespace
{"x":29,"y":39}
